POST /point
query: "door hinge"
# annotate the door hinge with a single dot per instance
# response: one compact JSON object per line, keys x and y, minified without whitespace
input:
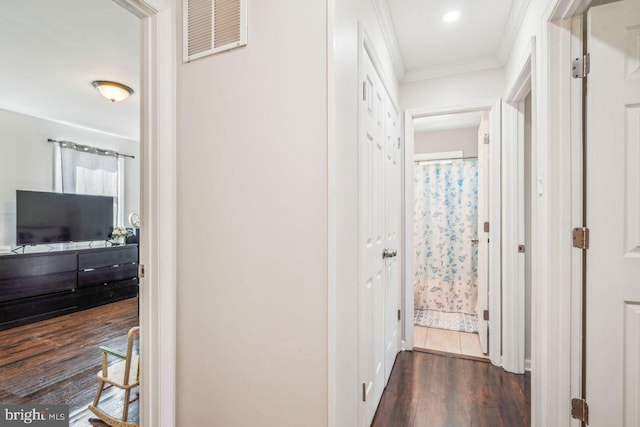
{"x":580,"y":410}
{"x":486,"y":138}
{"x":486,"y":227}
{"x":141,"y":271}
{"x":399,"y":315}
{"x":364,"y":91}
{"x":364,"y":392}
{"x":485,"y":315}
{"x":581,"y":238}
{"x":580,"y":67}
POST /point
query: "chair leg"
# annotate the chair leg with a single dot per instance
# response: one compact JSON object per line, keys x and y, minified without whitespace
{"x":125,"y":409}
{"x":98,"y":394}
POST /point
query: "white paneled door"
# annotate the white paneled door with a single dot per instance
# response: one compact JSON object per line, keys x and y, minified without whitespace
{"x":613,"y":216}
{"x":489,"y":233}
{"x":393,"y":205}
{"x":379,"y":228}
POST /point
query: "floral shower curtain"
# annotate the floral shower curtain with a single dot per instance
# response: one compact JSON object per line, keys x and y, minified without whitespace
{"x":446,"y":222}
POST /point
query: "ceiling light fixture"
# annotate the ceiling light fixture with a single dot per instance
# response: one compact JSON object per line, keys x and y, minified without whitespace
{"x":113,"y":91}
{"x":451,"y":16}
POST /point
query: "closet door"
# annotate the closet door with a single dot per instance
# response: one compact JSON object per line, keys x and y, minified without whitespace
{"x":613,"y":216}
{"x":392,"y":235}
{"x":371,"y":286}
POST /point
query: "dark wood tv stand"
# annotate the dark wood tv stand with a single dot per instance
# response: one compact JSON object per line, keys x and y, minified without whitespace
{"x":38,"y":286}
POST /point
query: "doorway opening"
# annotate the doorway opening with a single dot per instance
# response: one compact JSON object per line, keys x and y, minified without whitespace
{"x":446,"y":232}
{"x":79,"y":295}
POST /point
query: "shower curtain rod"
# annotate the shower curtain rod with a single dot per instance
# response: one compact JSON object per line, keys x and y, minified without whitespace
{"x":444,"y":160}
{"x":89,"y":148}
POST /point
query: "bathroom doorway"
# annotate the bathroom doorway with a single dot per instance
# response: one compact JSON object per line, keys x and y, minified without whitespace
{"x":447,"y":232}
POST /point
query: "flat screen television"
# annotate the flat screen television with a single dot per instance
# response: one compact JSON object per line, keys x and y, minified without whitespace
{"x":57,"y":217}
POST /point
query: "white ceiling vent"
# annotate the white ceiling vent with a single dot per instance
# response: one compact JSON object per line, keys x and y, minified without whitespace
{"x":212,"y":26}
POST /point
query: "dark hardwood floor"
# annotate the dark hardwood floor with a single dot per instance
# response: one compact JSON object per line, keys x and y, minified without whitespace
{"x":429,"y":390}
{"x":55,"y":361}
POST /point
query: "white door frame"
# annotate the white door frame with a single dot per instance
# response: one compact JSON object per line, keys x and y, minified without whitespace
{"x":513,"y":227}
{"x":408,"y":207}
{"x":158,"y":211}
{"x":556,"y":311}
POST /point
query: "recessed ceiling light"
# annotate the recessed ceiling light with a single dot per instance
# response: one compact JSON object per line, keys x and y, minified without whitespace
{"x":451,"y":16}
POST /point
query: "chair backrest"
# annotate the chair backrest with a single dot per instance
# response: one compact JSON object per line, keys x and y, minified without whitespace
{"x":131,"y":336}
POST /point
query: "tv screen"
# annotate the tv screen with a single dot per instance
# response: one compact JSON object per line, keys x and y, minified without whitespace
{"x":56,"y":217}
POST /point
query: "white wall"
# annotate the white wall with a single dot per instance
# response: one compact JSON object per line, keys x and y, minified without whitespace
{"x":252,"y":225}
{"x":483,"y":87}
{"x":465,"y":140}
{"x":530,"y":26}
{"x":26,"y":162}
{"x":344,"y":124}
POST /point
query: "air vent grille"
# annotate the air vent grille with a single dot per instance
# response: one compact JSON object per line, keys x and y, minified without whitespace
{"x":227,"y":22}
{"x":212,"y":26}
{"x":199,"y":26}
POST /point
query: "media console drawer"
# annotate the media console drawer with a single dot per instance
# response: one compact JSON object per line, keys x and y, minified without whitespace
{"x":107,"y":293}
{"x":25,"y":287}
{"x":15,"y":266}
{"x":107,"y":257}
{"x":101,"y":276}
{"x":28,"y":310}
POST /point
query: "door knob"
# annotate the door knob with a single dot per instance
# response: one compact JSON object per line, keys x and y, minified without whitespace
{"x":388,"y":254}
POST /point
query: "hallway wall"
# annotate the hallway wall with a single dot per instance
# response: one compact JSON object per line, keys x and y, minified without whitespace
{"x":485,"y":87}
{"x":252,"y":225}
{"x":465,"y":140}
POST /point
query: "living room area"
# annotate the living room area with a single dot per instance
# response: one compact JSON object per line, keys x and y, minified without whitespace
{"x":69,"y":201}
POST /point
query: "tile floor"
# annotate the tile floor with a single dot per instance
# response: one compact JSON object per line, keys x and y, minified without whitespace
{"x":448,"y":341}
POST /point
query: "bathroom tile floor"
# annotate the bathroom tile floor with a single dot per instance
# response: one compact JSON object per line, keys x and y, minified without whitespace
{"x":443,"y":340}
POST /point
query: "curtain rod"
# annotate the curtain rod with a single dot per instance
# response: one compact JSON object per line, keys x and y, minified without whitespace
{"x":88,"y":148}
{"x":446,"y":160}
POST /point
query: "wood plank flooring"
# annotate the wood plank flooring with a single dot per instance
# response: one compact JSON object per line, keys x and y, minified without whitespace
{"x":428,"y":390}
{"x":55,"y":361}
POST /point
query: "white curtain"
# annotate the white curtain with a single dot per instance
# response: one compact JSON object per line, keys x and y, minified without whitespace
{"x":445,"y":225}
{"x":81,"y":172}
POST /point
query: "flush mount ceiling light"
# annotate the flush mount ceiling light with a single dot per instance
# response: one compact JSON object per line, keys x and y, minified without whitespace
{"x":113,"y":91}
{"x":451,"y":16}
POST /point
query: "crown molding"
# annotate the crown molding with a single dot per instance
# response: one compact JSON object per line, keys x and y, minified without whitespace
{"x":383,"y":14}
{"x":451,"y":70}
{"x":141,"y":8}
{"x":511,"y":28}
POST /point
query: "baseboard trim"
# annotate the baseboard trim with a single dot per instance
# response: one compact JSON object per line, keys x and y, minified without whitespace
{"x":527,"y":365}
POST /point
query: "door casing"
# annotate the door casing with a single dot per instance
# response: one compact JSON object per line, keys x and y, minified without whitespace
{"x":158,"y":210}
{"x":556,"y":311}
{"x":513,"y":262}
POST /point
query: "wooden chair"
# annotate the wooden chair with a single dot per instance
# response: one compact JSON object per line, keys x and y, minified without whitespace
{"x":124,"y":375}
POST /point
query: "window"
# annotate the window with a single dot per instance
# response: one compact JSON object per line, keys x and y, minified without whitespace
{"x":87,"y":170}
